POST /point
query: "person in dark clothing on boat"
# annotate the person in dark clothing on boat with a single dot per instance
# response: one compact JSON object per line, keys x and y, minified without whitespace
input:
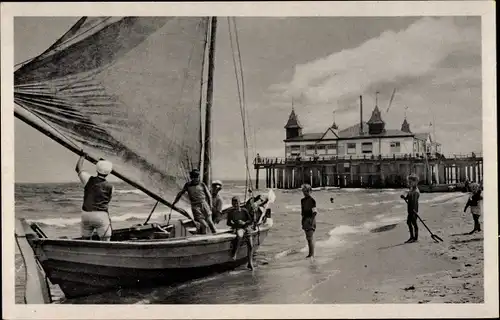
{"x":97,"y":194}
{"x":201,"y":202}
{"x":240,"y":220}
{"x":412,"y":207}
{"x":216,"y":201}
{"x":308,"y":212}
{"x":256,"y":205}
{"x":474,"y":202}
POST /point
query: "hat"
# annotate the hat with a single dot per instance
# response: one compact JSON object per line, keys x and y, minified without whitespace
{"x":474,"y":187}
{"x":413,"y":177}
{"x":306,"y":187}
{"x":104,"y":167}
{"x":217,"y":183}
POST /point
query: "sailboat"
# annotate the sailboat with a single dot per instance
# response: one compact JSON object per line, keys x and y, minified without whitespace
{"x":131,"y":90}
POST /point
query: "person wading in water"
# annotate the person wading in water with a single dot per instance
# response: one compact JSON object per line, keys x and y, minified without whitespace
{"x":96,"y":197}
{"x":201,"y":201}
{"x":308,"y":212}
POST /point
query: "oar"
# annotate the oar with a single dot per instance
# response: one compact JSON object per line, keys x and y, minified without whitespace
{"x":434,"y":237}
{"x":150,"y":214}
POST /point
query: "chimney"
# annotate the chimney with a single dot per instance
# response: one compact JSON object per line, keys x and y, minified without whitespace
{"x":361,"y":115}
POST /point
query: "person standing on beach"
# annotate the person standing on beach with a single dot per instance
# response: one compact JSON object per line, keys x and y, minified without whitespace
{"x":96,"y":197}
{"x":201,"y":201}
{"x":308,"y":212}
{"x":240,"y":220}
{"x":474,"y":203}
{"x":412,"y":205}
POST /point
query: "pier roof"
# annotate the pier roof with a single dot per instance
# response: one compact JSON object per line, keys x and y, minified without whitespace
{"x":293,"y":121}
{"x":353,"y":133}
{"x":386,"y":134}
{"x":376,"y":116}
{"x":315,"y":136}
{"x":422,"y":136}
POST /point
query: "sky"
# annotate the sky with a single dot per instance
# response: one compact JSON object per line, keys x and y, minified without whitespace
{"x":323,"y":64}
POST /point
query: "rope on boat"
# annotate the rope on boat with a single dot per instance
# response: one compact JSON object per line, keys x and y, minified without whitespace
{"x":238,"y":70}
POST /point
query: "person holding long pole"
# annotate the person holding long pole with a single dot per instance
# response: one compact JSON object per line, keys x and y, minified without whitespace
{"x":412,"y":205}
{"x":96,"y":197}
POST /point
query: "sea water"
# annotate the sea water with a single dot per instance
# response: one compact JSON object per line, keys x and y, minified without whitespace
{"x":282,"y":274}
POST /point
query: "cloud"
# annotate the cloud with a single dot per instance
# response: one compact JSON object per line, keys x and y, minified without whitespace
{"x":413,"y":52}
{"x":435,"y":65}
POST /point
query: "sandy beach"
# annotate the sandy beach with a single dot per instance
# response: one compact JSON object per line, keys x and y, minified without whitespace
{"x":385,"y":270}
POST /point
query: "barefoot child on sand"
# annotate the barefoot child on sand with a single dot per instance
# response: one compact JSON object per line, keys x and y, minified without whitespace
{"x":474,"y":203}
{"x":412,"y":199}
{"x":308,"y":205}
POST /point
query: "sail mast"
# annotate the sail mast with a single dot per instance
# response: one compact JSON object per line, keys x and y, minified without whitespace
{"x":208,"y":110}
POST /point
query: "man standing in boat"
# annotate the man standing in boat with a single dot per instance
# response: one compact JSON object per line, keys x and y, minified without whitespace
{"x":97,"y":195}
{"x":201,"y":201}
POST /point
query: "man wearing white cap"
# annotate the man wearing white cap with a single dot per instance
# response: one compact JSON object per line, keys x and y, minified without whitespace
{"x":216,"y":201}
{"x":97,"y":195}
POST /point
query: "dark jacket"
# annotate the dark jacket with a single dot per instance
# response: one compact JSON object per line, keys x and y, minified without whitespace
{"x":97,"y":194}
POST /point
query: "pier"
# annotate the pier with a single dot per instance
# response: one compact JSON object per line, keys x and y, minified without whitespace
{"x":362,"y":171}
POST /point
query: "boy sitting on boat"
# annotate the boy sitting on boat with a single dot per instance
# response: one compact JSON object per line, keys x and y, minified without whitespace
{"x":201,"y":201}
{"x":256,"y":205}
{"x":240,"y":220}
{"x":97,"y":194}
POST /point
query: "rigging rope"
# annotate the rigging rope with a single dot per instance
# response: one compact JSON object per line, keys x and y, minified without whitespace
{"x":241,"y":94}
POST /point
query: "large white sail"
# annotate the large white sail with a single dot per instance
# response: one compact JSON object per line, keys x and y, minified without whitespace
{"x":127,"y":89}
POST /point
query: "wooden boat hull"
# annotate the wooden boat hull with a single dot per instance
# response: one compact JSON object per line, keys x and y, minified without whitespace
{"x":83,"y":267}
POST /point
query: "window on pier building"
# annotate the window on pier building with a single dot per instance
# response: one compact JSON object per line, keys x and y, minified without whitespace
{"x":347,"y":167}
{"x":351,"y":148}
{"x":395,"y":147}
{"x":331,"y":149}
{"x":310,"y":150}
{"x":367,"y":147}
{"x":320,"y":149}
{"x":295,"y":150}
